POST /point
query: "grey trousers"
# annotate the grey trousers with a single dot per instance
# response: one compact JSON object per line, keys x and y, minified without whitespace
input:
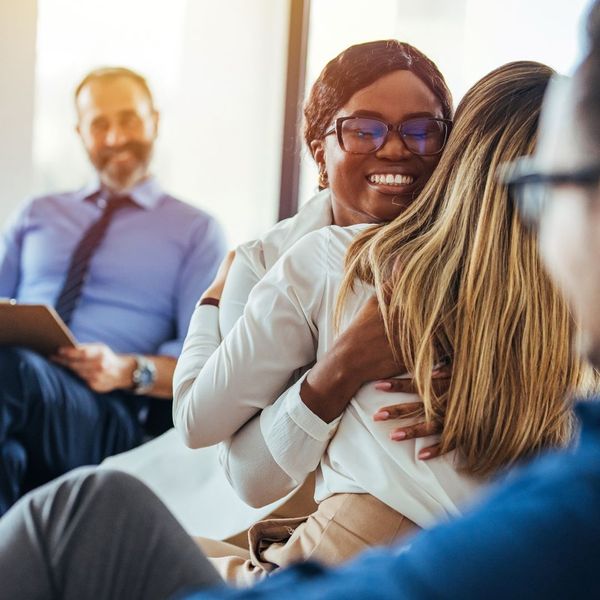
{"x":97,"y":534}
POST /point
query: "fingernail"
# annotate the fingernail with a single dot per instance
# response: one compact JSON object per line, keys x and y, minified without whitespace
{"x":385,"y":385}
{"x":398,"y":435}
{"x":424,"y":454}
{"x":382,"y":415}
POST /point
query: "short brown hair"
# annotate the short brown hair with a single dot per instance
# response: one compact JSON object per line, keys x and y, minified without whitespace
{"x":111,"y":73}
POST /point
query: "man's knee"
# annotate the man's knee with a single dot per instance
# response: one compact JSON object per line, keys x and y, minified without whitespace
{"x":19,"y":365}
{"x":13,"y":356}
{"x":102,"y":482}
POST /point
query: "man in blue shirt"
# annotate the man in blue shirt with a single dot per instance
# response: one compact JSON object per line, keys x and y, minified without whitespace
{"x":126,"y":281}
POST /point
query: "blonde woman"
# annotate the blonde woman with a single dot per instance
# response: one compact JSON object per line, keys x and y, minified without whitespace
{"x":456,"y":277}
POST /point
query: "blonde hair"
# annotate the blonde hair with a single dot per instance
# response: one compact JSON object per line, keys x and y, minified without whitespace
{"x":458,"y":276}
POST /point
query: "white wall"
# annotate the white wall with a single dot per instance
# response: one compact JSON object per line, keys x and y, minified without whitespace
{"x":228,"y":118}
{"x":17,"y":49}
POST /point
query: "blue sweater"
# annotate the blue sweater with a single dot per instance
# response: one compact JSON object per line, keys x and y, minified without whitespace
{"x":536,"y":536}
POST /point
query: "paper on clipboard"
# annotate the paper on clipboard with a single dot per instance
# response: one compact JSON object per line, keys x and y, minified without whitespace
{"x":34,"y":326}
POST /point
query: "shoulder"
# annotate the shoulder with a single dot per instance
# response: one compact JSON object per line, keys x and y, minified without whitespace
{"x":183,"y":209}
{"x":327,"y":245}
{"x":335,"y":243}
{"x":46,"y":206}
{"x":314,"y":215}
{"x":309,"y":258}
{"x":54,"y":199}
{"x":185,"y":217}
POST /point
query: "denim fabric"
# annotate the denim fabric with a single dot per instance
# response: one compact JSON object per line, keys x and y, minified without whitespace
{"x":51,"y":422}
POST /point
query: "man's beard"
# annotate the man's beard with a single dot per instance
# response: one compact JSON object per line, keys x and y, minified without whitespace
{"x":123,"y":175}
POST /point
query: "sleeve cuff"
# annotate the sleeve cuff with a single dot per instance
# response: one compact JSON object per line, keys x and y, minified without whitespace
{"x":305,"y":418}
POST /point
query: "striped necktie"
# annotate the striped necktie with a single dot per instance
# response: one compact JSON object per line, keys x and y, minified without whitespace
{"x":80,"y":260}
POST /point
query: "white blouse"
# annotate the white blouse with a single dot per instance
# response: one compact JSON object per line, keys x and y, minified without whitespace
{"x":286,"y":325}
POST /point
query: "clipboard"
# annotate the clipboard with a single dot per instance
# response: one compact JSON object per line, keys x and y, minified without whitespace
{"x":34,"y":326}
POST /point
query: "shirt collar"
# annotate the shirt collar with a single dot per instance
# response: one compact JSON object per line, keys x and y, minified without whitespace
{"x":146,"y":193}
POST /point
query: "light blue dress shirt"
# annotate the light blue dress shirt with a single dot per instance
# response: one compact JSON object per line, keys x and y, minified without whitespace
{"x":144,"y":279}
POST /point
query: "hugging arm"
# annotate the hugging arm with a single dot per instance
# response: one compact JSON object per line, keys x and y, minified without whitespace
{"x":297,"y":428}
{"x":255,"y":361}
{"x":291,"y":435}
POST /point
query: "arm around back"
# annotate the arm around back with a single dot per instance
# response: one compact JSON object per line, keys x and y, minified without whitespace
{"x":255,"y":361}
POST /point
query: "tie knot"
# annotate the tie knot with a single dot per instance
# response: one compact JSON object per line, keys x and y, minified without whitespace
{"x":113,"y":202}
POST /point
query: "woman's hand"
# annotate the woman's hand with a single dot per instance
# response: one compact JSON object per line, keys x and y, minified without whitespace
{"x":441,"y":382}
{"x":360,"y":354}
{"x":215,"y":289}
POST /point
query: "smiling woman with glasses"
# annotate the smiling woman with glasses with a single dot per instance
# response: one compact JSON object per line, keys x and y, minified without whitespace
{"x":395,"y":83}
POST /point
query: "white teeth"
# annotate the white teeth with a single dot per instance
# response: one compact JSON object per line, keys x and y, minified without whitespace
{"x":389,"y":179}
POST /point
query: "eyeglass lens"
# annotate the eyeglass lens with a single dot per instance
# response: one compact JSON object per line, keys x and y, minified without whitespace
{"x":363,"y":135}
{"x":531,"y":199}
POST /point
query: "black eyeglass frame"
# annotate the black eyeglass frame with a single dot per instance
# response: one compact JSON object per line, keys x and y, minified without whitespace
{"x":525,"y":172}
{"x":337,"y":129}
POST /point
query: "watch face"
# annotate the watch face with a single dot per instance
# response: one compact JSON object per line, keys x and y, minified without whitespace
{"x":144,"y":375}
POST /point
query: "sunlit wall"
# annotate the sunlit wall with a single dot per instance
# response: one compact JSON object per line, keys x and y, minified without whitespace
{"x":17,"y":49}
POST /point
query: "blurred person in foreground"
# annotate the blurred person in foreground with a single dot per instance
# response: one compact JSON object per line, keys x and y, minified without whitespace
{"x":123,"y":263}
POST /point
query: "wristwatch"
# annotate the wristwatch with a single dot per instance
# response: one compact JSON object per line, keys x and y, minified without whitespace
{"x":144,"y":375}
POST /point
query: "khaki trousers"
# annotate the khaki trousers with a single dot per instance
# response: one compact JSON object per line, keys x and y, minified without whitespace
{"x":342,"y":526}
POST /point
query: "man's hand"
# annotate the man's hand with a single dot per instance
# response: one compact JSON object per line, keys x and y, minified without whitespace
{"x":101,"y":368}
{"x":215,"y":289}
{"x":441,"y":383}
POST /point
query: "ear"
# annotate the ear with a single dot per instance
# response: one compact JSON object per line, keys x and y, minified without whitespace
{"x":317,"y":149}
